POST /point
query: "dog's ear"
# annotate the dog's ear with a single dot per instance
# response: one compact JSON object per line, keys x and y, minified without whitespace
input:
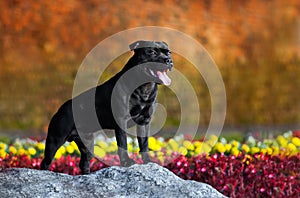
{"x":135,"y":45}
{"x":166,"y":44}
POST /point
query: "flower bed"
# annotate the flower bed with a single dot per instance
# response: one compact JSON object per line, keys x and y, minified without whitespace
{"x":266,"y":168}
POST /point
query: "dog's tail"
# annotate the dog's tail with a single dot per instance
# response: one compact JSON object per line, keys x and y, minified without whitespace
{"x":62,"y":123}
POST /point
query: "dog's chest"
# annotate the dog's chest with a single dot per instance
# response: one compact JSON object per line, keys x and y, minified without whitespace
{"x":142,"y":99}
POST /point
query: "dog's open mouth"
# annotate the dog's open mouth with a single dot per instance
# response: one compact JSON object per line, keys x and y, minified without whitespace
{"x":161,"y":75}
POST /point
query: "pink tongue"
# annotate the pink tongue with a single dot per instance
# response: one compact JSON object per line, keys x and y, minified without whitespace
{"x":164,"y":78}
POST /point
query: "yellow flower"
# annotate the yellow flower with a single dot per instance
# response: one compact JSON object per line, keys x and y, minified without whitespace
{"x":159,"y":153}
{"x":220,"y":147}
{"x":12,"y":150}
{"x":197,"y":144}
{"x":295,"y":141}
{"x":164,"y":144}
{"x":112,"y":148}
{"x":254,"y":150}
{"x":291,"y":148}
{"x":21,"y":151}
{"x":157,"y":148}
{"x":235,"y":143}
{"x":3,"y":146}
{"x":228,"y":147}
{"x":204,"y":148}
{"x":70,"y":149}
{"x":247,"y":159}
{"x":151,"y":140}
{"x":2,"y":153}
{"x":210,"y":142}
{"x":269,"y":151}
{"x":152,"y":153}
{"x":263,"y":150}
{"x":58,"y":154}
{"x":40,"y":146}
{"x":136,"y":149}
{"x":130,"y":148}
{"x":235,"y":151}
{"x":31,"y":151}
{"x":198,"y":151}
{"x":187,"y":144}
{"x":275,"y":150}
{"x":282,"y":141}
{"x":169,"y":152}
{"x":114,"y":143}
{"x":100,"y":152}
{"x":245,"y":148}
{"x":62,"y":150}
{"x":101,"y":144}
{"x":153,"y":144}
{"x":161,"y":159}
{"x":182,"y":150}
{"x":159,"y":142}
{"x":74,"y":146}
{"x":173,"y":144}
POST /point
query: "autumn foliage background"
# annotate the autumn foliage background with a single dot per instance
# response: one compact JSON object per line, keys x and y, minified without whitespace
{"x":256,"y":45}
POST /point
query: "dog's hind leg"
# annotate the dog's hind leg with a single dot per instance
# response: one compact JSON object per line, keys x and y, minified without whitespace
{"x":52,"y":145}
{"x":59,"y":129}
{"x":86,"y":153}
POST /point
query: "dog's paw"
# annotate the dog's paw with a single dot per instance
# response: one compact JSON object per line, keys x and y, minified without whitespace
{"x":146,"y":159}
{"x":128,"y":162}
{"x":85,"y":172}
{"x":44,"y":166}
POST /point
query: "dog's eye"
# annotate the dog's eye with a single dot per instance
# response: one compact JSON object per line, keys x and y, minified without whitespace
{"x":152,"y":52}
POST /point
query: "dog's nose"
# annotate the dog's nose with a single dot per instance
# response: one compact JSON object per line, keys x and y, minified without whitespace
{"x":168,"y":61}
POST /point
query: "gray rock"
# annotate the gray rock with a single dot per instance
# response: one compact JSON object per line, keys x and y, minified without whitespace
{"x":149,"y":180}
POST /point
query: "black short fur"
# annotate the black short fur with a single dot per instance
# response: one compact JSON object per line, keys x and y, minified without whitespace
{"x":62,"y":126}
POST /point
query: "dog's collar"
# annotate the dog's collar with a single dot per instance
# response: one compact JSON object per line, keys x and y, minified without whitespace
{"x":144,"y":44}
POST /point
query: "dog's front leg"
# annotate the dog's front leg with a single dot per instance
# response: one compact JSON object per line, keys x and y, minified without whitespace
{"x":142,"y":136}
{"x":121,"y":138}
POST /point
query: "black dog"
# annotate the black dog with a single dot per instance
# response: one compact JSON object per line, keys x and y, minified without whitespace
{"x":132,"y":96}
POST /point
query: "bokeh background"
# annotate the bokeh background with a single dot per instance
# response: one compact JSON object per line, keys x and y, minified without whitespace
{"x":256,"y":45}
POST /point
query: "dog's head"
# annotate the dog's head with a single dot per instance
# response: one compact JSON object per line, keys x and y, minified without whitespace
{"x":158,"y":55}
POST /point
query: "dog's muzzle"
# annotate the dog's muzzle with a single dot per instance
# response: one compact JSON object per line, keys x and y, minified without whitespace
{"x":162,"y":76}
{"x":159,"y":72}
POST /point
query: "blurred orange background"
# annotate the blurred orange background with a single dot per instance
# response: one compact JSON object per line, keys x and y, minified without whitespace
{"x":256,"y":45}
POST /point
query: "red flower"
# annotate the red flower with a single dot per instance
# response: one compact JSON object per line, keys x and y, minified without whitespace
{"x":261,"y":176}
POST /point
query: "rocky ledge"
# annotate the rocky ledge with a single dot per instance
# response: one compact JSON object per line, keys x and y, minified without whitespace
{"x":150,"y":180}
